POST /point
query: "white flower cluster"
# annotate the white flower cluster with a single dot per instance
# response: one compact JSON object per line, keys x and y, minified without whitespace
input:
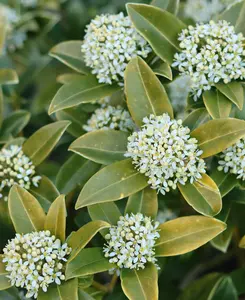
{"x":110,"y":117}
{"x":110,"y":42}
{"x":15,"y":168}
{"x":233,"y":159}
{"x":131,"y":242}
{"x":164,"y":151}
{"x":35,"y":260}
{"x":210,"y":53}
{"x":9,"y":15}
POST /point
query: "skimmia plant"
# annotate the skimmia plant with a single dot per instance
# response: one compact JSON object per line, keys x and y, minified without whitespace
{"x":126,"y":179}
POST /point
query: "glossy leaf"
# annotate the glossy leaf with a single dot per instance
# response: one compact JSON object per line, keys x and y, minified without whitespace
{"x":79,"y":239}
{"x":68,"y":77}
{"x":217,"y":104}
{"x":1,"y":106}
{"x":225,"y":181}
{"x":84,"y":296}
{"x":84,"y":282}
{"x":148,"y":21}
{"x":163,"y":69}
{"x":102,"y":146}
{"x":196,"y":118}
{"x":15,"y":122}
{"x":69,"y":53}
{"x":203,"y":195}
{"x":84,"y":90}
{"x":232,"y":91}
{"x":75,"y":171}
{"x":56,"y":218}
{"x":4,"y":281}
{"x":170,"y":5}
{"x":144,"y":202}
{"x":186,"y":234}
{"x":113,"y":182}
{"x":242,"y":242}
{"x":140,"y":284}
{"x":145,"y":93}
{"x":219,"y":134}
{"x":88,"y":261}
{"x":222,"y":241}
{"x":8,"y":76}
{"x":42,"y":142}
{"x":25,"y":211}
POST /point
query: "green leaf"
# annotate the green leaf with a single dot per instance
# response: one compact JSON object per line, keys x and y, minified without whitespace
{"x":163,"y":69}
{"x":11,"y":293}
{"x":3,"y":30}
{"x":232,"y":91}
{"x":1,"y":105}
{"x":144,"y":202}
{"x":217,"y":135}
{"x":15,"y":122}
{"x":46,"y":192}
{"x":84,"y":90}
{"x":203,"y":195}
{"x":113,"y":182}
{"x":170,"y":5}
{"x":186,"y":234}
{"x":225,"y":181}
{"x":84,"y":296}
{"x":196,"y":118}
{"x":242,"y":242}
{"x":8,"y":76}
{"x":217,"y":104}
{"x":225,"y":290}
{"x":102,"y":146}
{"x":56,"y":218}
{"x":148,"y":21}
{"x":88,"y":261}
{"x":25,"y":211}
{"x":42,"y":142}
{"x":69,"y":53}
{"x":107,"y":212}
{"x":4,"y":281}
{"x":79,"y":239}
{"x":140,"y":284}
{"x":145,"y":93}
{"x":222,"y":241}
{"x":75,"y":171}
{"x":68,"y":78}
{"x":86,"y":281}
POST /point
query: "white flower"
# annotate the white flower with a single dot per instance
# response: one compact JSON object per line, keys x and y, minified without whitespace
{"x":210,"y":53}
{"x":16,"y":40}
{"x":34,"y":261}
{"x":109,"y":44}
{"x":15,"y":168}
{"x":164,"y":151}
{"x":233,"y":159}
{"x":110,"y":118}
{"x":165,"y":215}
{"x":130,"y":244}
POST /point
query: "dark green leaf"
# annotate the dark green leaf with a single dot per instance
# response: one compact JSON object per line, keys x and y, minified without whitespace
{"x":225,"y":181}
{"x":232,"y":91}
{"x":15,"y":122}
{"x":196,"y":118}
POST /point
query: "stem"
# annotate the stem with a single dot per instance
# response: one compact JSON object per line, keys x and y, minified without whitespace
{"x":113,"y":282}
{"x":100,"y":286}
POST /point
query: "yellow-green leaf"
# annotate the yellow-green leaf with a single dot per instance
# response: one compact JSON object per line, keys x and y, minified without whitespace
{"x":144,"y":202}
{"x":217,"y":104}
{"x":140,"y":284}
{"x":42,"y":142}
{"x":145,"y":93}
{"x":225,"y":181}
{"x":56,"y":218}
{"x":88,"y":261}
{"x":186,"y":234}
{"x":219,"y":134}
{"x":196,"y":118}
{"x":68,"y":77}
{"x":69,"y":53}
{"x":148,"y":21}
{"x":113,"y":182}
{"x":233,"y":91}
{"x":163,"y":69}
{"x":4,"y":281}
{"x":102,"y":146}
{"x":242,"y":242}
{"x":1,"y":107}
{"x":203,"y":195}
{"x":84,"y":90}
{"x":8,"y":76}
{"x":3,"y":30}
{"x":25,"y":211}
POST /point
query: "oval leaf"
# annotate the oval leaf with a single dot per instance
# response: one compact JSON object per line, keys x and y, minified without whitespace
{"x":42,"y":142}
{"x":113,"y":182}
{"x":4,"y":281}
{"x":15,"y":122}
{"x":203,"y":195}
{"x":232,"y":91}
{"x":56,"y":218}
{"x":186,"y":234}
{"x":84,"y":90}
{"x":217,"y":135}
{"x":102,"y":146}
{"x":140,"y":284}
{"x":162,"y":69}
{"x":26,"y":213}
{"x":148,"y":21}
{"x":196,"y":118}
{"x":225,"y":181}
{"x":144,"y":202}
{"x":145,"y":93}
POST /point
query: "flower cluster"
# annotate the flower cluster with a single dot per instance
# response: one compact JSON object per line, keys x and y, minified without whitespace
{"x":110,"y":42}
{"x":131,"y":242}
{"x":15,"y":168}
{"x":233,"y":159}
{"x":35,"y":260}
{"x":164,"y":151}
{"x":210,"y":53}
{"x":110,"y":118}
{"x":9,"y":15}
